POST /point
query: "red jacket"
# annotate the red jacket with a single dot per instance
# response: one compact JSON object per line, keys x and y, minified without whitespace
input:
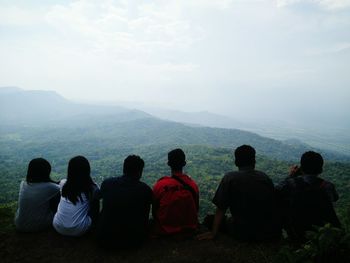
{"x":175,"y":209}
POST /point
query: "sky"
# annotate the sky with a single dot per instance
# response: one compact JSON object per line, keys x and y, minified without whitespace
{"x":263,"y":58}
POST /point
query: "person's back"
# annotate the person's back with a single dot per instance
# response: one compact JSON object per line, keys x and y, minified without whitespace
{"x":37,"y":198}
{"x":76,"y":209}
{"x":123,"y":221}
{"x":175,"y":208}
{"x":73,"y":219}
{"x":307,"y":199}
{"x":250,"y":196}
{"x":34,"y":212}
{"x":175,"y":199}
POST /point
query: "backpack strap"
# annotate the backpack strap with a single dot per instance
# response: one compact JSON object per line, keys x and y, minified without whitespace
{"x":188,"y":188}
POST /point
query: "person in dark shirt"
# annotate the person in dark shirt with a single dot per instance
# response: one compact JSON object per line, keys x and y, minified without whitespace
{"x":250,"y":196}
{"x":126,"y":204}
{"x":307,"y":199}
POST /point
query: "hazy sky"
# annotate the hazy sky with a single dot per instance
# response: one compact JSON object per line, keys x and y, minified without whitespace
{"x":234,"y":57}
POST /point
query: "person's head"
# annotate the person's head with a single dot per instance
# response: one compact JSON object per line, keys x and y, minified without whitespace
{"x":78,"y":179}
{"x":38,"y":171}
{"x":311,"y":163}
{"x":245,"y":156}
{"x":133,"y":166}
{"x":176,"y":159}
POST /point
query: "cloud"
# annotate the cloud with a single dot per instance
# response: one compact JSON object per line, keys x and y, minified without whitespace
{"x":16,"y":16}
{"x":129,"y":31}
{"x":218,"y":4}
{"x":332,"y":49}
{"x":334,"y":4}
{"x":329,"y":5}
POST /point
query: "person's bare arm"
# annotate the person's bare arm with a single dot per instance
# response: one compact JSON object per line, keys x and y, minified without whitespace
{"x":219,"y":215}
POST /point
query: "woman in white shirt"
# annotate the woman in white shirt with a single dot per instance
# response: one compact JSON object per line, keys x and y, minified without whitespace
{"x":79,"y":202}
{"x":38,"y":198}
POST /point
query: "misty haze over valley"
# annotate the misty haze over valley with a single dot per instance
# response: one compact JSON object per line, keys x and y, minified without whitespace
{"x":45,"y":108}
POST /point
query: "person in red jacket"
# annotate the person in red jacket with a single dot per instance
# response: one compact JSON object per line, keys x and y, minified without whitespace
{"x":175,"y":199}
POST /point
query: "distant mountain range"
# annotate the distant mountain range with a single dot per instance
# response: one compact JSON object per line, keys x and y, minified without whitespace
{"x":45,"y":117}
{"x":34,"y":107}
{"x":333,"y":134}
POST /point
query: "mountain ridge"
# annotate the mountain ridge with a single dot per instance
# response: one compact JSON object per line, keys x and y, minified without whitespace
{"x":37,"y":107}
{"x":314,"y":132}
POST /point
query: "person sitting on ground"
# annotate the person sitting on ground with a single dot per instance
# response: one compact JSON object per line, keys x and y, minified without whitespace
{"x":250,"y":196}
{"x":307,"y":199}
{"x":79,"y":205}
{"x":124,"y":219}
{"x":38,"y":198}
{"x":175,"y":199}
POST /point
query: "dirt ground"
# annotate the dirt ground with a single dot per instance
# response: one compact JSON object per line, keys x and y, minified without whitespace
{"x":51,"y":247}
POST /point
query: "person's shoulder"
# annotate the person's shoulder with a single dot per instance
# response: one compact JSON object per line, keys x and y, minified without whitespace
{"x":262,"y":174}
{"x":296,"y":182}
{"x":327,"y":184}
{"x":186,"y":176}
{"x":289,"y":184}
{"x":316,"y":181}
{"x":258,"y":172}
{"x":232,"y":175}
{"x":190,"y":181}
{"x":53,"y":186}
{"x":144,"y":185}
{"x":292,"y":180}
{"x":161,"y":182}
{"x":23,"y":184}
{"x":109,"y":181}
{"x":145,"y":188}
{"x":23,"y":187}
{"x":62,"y":182}
{"x":42,"y":185}
{"x":330,"y":190}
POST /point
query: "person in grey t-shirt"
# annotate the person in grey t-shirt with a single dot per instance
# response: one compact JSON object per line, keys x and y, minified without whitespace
{"x":38,"y":198}
{"x":250,"y":196}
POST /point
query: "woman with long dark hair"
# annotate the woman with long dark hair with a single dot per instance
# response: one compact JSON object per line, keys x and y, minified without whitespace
{"x":79,"y":203}
{"x":38,"y":198}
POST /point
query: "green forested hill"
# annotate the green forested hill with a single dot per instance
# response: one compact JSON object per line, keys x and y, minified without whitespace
{"x":114,"y":133}
{"x":205,"y":164}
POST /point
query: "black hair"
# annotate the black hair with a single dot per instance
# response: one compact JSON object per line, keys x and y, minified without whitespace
{"x":133,"y":166}
{"x":39,"y":171}
{"x":78,"y":180}
{"x":311,"y":163}
{"x":176,"y":159}
{"x":245,"y":156}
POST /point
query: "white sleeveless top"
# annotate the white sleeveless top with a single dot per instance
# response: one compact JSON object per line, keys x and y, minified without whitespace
{"x":70,"y":219}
